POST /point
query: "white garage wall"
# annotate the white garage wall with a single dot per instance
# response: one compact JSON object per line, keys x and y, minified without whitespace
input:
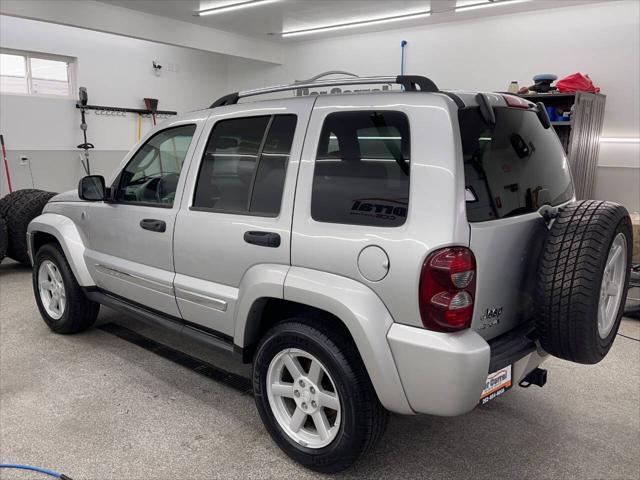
{"x":117,"y":71}
{"x":602,"y":40}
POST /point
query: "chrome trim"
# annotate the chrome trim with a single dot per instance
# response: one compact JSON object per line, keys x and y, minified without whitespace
{"x":201,"y":299}
{"x":136,"y":280}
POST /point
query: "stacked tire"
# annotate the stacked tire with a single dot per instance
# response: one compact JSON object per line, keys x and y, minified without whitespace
{"x":17,"y":209}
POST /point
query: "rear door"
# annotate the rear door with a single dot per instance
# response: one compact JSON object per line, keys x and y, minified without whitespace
{"x":512,"y":170}
{"x":237,"y":209}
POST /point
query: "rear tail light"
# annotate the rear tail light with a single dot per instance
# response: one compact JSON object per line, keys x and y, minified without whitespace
{"x":447,"y":287}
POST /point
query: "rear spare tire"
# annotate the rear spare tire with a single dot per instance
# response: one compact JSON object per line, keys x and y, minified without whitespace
{"x":22,"y":211}
{"x":583,"y":280}
{"x":4,"y":239}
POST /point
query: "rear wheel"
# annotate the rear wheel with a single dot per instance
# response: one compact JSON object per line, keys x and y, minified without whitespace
{"x":583,"y":281}
{"x":314,"y":395}
{"x":61,"y":301}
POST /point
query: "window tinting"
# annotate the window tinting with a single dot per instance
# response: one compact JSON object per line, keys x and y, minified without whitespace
{"x":361,"y":175}
{"x":513,"y":168}
{"x":151,"y":177}
{"x":244,"y":166}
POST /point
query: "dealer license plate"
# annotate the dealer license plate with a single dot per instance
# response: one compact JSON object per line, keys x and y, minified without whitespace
{"x":497,"y":383}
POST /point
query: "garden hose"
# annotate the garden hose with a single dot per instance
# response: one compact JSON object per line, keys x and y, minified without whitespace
{"x":44,"y":471}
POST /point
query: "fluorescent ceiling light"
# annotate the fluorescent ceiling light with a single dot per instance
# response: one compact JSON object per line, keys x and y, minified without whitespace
{"x":488,"y":3}
{"x":233,"y":6}
{"x":619,"y":140}
{"x":358,"y":23}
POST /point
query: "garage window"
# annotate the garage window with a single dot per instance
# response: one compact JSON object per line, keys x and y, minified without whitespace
{"x":244,"y":165}
{"x":361,"y":175}
{"x":27,"y":73}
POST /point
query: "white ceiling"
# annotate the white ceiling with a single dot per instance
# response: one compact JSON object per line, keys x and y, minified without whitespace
{"x":268,"y":20}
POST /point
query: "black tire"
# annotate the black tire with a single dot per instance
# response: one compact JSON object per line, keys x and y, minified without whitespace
{"x":8,"y":200}
{"x":4,"y":238}
{"x":570,"y":277}
{"x":80,"y":313}
{"x":363,"y":418}
{"x":24,"y":209}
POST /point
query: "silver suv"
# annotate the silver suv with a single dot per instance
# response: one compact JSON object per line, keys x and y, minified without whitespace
{"x":410,"y":250}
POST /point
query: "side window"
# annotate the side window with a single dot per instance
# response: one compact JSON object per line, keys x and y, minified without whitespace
{"x":244,"y":165}
{"x":361,"y":175}
{"x":151,"y":177}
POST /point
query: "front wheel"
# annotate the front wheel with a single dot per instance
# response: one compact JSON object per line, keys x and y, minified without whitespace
{"x":62,"y":303}
{"x":314,"y":395}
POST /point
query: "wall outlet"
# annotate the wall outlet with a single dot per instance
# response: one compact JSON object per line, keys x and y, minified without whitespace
{"x":24,"y":160}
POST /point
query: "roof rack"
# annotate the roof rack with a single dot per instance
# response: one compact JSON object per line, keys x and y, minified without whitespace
{"x":411,"y":83}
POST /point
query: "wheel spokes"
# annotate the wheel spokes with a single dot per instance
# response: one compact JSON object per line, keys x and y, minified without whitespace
{"x":46,"y":285}
{"x":315,"y":372}
{"x":51,"y":272}
{"x":282,"y":389}
{"x":297,"y":420}
{"x":293,"y":365}
{"x":613,"y":256}
{"x":322,"y":424}
{"x":328,"y":400}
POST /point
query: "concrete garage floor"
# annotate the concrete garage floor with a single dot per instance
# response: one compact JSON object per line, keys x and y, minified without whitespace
{"x":94,"y":406}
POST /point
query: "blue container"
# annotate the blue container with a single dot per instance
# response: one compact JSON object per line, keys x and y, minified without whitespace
{"x":552,"y":114}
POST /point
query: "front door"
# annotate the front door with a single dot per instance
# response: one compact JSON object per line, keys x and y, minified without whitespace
{"x":130,"y":250}
{"x":238,"y":205}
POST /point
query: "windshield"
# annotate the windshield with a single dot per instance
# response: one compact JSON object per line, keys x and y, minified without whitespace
{"x":514,"y":168}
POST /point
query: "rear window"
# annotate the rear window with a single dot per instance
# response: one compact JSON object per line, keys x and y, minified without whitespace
{"x":361,"y":175}
{"x":513,"y":168}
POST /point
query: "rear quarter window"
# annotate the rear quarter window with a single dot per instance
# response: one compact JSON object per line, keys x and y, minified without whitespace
{"x":361,"y":174}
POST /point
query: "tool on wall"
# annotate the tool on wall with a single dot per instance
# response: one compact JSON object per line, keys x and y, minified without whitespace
{"x":6,"y":163}
{"x":139,"y":127}
{"x":403,"y":45}
{"x":152,"y":106}
{"x":86,"y":146}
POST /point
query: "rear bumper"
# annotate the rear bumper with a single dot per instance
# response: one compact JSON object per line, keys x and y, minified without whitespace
{"x":444,"y":373}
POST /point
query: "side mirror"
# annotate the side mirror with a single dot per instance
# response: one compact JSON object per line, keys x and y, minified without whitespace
{"x":92,"y":188}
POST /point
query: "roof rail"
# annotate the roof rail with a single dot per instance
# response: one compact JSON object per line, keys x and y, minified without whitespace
{"x":411,"y":83}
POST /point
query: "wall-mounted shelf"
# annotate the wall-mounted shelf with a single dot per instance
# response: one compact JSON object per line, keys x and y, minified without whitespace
{"x":580,"y":137}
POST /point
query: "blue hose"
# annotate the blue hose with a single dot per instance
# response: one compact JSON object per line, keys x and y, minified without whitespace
{"x":35,"y":469}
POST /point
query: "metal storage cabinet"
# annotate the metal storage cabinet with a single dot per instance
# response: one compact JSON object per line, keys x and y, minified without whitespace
{"x":581,"y":136}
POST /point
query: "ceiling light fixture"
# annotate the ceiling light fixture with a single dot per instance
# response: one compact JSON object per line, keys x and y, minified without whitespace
{"x":488,"y":3}
{"x":233,"y":6}
{"x":355,"y":24}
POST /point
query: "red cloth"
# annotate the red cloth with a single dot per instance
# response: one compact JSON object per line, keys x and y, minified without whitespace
{"x":576,"y":82}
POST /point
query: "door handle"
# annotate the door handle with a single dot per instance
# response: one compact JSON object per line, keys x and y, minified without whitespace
{"x":263,"y":239}
{"x":153,"y":225}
